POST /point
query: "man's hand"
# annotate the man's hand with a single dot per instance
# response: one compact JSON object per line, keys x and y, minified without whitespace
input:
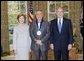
{"x":38,"y":42}
{"x":14,"y":51}
{"x":51,"y":46}
{"x":69,"y":47}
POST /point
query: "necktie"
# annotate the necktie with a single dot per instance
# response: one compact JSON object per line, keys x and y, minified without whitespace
{"x":59,"y":25}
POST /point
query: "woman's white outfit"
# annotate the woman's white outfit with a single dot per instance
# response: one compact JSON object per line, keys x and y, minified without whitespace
{"x":21,"y":42}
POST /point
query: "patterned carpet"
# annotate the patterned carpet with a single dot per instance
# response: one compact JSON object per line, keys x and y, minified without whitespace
{"x":50,"y":56}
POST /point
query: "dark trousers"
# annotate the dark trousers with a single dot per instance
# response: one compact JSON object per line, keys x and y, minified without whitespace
{"x":61,"y":54}
{"x":40,"y":53}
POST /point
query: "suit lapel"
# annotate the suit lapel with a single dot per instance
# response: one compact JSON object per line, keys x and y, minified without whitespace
{"x":42,"y":26}
{"x":56,"y":27}
{"x":36,"y":25}
{"x":63,"y":25}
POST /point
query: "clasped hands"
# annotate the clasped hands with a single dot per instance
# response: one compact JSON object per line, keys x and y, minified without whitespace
{"x":38,"y":42}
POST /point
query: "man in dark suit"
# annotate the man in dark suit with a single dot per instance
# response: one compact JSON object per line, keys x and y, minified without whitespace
{"x":61,"y":36}
{"x":39,"y":32}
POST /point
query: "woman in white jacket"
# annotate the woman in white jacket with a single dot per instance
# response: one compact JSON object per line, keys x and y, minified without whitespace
{"x":21,"y":39}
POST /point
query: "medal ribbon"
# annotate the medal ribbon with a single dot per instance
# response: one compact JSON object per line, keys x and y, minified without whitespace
{"x":40,"y":24}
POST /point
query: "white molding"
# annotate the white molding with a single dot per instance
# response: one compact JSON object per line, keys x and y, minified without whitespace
{"x":48,"y":6}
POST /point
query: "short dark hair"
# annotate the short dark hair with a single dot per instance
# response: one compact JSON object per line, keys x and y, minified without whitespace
{"x":20,"y":16}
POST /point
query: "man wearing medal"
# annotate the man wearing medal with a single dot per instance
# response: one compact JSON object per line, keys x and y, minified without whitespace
{"x":39,"y":33}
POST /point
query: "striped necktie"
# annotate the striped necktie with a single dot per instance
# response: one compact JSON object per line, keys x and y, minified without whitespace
{"x":59,"y":25}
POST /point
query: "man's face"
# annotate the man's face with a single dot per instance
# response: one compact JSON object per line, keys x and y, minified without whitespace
{"x":59,"y":12}
{"x":39,"y":15}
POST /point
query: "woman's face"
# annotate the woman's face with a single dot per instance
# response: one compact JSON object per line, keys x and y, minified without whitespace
{"x":21,"y":19}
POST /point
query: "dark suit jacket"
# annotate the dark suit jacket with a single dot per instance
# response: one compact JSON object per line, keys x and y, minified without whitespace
{"x":61,"y":40}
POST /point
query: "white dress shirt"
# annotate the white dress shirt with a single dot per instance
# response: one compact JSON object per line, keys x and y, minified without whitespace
{"x":61,"y":21}
{"x":39,"y":25}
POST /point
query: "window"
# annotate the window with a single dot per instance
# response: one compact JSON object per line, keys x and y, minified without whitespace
{"x":52,"y":5}
{"x":14,"y":8}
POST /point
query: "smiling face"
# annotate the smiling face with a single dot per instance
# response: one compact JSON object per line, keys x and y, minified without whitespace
{"x":21,"y":19}
{"x":39,"y":15}
{"x":59,"y":12}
